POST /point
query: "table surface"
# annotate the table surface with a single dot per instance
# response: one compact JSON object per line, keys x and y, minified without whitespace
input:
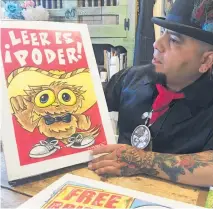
{"x":12,"y":197}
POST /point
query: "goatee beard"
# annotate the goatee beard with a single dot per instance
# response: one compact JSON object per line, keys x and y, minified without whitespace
{"x":156,"y":77}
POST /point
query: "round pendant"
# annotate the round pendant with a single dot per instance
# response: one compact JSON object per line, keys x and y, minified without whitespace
{"x":141,"y":137}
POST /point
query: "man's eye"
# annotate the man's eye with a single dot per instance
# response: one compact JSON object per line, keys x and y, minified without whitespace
{"x":163,"y":30}
{"x":174,"y":40}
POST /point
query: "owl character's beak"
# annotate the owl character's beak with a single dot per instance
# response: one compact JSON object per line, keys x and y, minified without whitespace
{"x":55,"y":104}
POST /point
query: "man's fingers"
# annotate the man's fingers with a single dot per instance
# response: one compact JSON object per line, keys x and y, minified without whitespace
{"x":106,"y":163}
{"x":103,"y":157}
{"x":109,"y":170}
{"x":105,"y":149}
{"x":102,"y":164}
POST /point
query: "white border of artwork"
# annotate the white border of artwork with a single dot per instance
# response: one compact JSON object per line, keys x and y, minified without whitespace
{"x":42,"y":197}
{"x":14,"y":170}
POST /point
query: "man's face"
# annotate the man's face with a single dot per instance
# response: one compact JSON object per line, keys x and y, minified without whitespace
{"x":178,"y":57}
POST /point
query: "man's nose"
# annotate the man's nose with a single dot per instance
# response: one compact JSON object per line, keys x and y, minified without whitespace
{"x":160,"y":44}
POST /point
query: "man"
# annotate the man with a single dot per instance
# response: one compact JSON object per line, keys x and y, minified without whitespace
{"x":172,"y":102}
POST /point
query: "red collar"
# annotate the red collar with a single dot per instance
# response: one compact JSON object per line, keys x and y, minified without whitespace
{"x":164,"y":98}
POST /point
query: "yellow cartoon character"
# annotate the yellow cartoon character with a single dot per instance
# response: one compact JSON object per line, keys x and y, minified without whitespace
{"x":53,"y":102}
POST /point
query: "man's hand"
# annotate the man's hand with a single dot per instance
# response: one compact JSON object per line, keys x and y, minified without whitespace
{"x":121,"y":160}
{"x":124,"y":160}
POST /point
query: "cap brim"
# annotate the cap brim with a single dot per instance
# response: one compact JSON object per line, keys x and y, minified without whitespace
{"x":193,"y":32}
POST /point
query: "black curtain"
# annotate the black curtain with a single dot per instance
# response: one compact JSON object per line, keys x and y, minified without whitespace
{"x":145,"y":34}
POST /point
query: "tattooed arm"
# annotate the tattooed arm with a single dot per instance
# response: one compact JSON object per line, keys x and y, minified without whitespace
{"x":192,"y":169}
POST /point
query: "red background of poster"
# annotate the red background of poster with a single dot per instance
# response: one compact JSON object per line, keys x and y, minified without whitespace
{"x":26,"y":140}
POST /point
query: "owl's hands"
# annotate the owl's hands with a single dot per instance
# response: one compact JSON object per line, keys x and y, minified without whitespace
{"x":83,"y":122}
{"x":23,"y":111}
{"x":21,"y":103}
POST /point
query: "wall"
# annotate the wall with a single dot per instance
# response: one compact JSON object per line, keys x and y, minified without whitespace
{"x":158,"y":12}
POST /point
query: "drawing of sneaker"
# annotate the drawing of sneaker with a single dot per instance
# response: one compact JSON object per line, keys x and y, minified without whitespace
{"x":78,"y":141}
{"x":44,"y":148}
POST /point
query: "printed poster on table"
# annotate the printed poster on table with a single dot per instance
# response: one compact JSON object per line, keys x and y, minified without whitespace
{"x":54,"y":109}
{"x":77,"y":192}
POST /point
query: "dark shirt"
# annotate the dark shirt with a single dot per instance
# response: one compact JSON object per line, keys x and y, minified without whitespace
{"x":187,"y":127}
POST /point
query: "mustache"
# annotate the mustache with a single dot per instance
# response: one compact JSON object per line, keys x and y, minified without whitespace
{"x":156,"y":77}
{"x":157,"y":56}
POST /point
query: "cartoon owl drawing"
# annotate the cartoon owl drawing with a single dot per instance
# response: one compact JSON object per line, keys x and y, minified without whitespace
{"x":54,"y":102}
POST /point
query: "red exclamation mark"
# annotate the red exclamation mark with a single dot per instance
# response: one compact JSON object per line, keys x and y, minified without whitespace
{"x":79,"y":49}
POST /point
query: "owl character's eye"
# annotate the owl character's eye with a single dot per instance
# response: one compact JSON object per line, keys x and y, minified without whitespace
{"x":67,"y":97}
{"x":45,"y":98}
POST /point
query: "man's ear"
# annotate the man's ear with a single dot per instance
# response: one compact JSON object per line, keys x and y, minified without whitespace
{"x":207,"y":62}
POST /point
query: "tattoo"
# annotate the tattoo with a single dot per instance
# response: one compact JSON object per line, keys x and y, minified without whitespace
{"x":177,"y":165}
{"x":137,"y":161}
{"x":204,"y":157}
{"x":168,"y":164}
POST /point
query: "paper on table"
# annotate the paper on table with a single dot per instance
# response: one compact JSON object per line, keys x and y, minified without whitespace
{"x":72,"y":191}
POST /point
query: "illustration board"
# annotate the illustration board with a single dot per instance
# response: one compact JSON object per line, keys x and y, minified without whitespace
{"x":55,"y":102}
